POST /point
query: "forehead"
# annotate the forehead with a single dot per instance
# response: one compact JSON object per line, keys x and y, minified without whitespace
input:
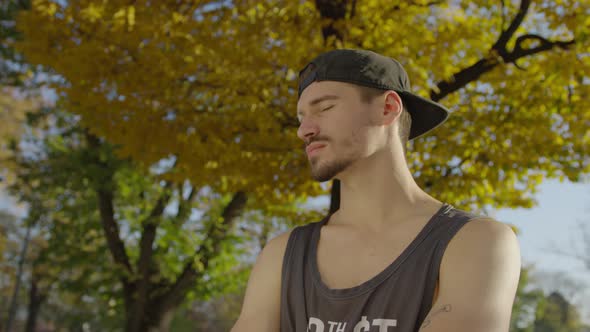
{"x":316,"y":92}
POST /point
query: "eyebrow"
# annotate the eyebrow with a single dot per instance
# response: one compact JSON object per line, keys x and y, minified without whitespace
{"x":319,"y":100}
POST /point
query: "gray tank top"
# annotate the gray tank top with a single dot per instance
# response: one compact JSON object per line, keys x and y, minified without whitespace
{"x":395,"y":300}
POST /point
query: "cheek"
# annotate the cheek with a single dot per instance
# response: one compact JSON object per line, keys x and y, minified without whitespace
{"x":353,"y":138}
{"x":366,"y":139}
{"x":352,"y":133}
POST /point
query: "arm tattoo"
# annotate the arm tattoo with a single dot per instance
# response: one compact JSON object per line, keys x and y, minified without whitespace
{"x":428,"y":320}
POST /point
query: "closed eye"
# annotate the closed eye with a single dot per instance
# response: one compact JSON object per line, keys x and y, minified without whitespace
{"x":325,"y":109}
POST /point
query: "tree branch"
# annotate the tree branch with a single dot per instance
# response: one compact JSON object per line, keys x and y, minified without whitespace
{"x":184,"y":206}
{"x":462,"y":78}
{"x":107,"y":215}
{"x":335,"y":11}
{"x":413,"y":3}
{"x":110,"y":226}
{"x":148,"y":235}
{"x":206,"y":252}
{"x":544,"y":45}
{"x":500,"y":44}
{"x":111,"y":229}
{"x":497,"y":55}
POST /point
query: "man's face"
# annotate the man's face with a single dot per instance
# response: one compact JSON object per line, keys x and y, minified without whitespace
{"x":332,"y":114}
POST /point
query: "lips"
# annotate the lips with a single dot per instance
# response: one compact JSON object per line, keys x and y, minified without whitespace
{"x":314,"y":146}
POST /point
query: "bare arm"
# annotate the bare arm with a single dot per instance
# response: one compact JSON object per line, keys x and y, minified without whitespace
{"x":478,"y":279}
{"x":261,"y":307}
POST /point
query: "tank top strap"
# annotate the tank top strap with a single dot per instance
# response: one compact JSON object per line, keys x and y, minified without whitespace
{"x":293,"y":275}
{"x":449,"y":223}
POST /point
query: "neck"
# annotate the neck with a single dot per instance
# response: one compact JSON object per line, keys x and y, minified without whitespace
{"x":379,"y":191}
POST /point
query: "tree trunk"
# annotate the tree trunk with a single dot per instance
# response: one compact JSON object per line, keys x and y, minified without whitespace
{"x":164,"y":323}
{"x":19,"y":274}
{"x":153,"y":318}
{"x":36,"y":298}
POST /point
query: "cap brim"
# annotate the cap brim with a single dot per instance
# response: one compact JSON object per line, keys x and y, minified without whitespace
{"x":426,"y":114}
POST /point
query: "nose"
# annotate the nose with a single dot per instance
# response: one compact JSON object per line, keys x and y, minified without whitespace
{"x":307,"y":129}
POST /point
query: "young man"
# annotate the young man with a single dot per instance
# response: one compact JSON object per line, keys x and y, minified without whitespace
{"x":391,"y":257}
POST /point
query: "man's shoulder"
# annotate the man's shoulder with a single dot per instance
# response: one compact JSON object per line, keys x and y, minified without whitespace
{"x":482,"y":236}
{"x":279,"y":242}
{"x":276,"y":246}
{"x":479,"y":276}
{"x":483,"y":228}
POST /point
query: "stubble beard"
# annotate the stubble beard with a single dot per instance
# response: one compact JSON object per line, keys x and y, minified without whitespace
{"x":323,"y":171}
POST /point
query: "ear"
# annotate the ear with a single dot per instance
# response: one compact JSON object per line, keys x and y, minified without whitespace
{"x":392,"y":107}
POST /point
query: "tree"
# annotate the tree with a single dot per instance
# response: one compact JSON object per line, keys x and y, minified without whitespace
{"x":184,"y":79}
{"x":152,"y":261}
{"x":9,"y":247}
{"x":555,"y":314}
{"x":13,"y":113}
{"x":14,"y":70}
{"x":543,"y":303}
{"x":19,"y":91}
{"x":525,"y":303}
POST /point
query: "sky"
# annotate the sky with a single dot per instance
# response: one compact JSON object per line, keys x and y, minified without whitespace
{"x":550,"y":226}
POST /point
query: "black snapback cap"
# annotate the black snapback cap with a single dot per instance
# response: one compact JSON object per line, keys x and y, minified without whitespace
{"x":371,"y":69}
